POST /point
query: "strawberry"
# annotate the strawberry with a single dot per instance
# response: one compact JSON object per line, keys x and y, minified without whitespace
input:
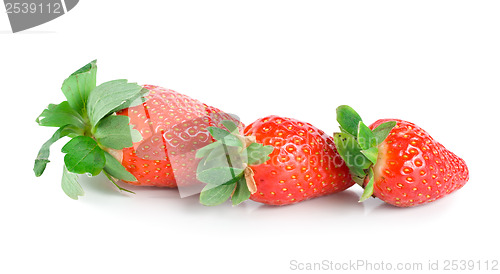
{"x":154,"y":134}
{"x":397,"y":161}
{"x":159,"y":120}
{"x":280,"y":161}
{"x":304,"y":163}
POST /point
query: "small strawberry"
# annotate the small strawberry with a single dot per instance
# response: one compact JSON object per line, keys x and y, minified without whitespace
{"x":397,"y":161}
{"x":139,"y":146}
{"x":280,"y":161}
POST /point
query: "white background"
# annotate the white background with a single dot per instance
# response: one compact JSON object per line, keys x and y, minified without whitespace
{"x":435,"y":63}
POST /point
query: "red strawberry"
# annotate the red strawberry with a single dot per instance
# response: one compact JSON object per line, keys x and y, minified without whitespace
{"x":154,"y":136}
{"x":304,"y":163}
{"x":285,"y":161}
{"x":403,"y":165}
{"x":173,"y":126}
{"x":413,"y":168}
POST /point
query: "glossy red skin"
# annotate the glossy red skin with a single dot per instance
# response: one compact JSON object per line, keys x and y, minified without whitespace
{"x":413,"y":168}
{"x":173,"y":126}
{"x":304,"y":164}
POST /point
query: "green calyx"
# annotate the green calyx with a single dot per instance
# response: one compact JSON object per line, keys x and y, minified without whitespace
{"x":358,"y":146}
{"x":224,"y":165}
{"x":87,"y":117}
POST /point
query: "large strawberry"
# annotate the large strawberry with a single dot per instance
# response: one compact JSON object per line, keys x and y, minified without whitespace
{"x":137,"y":146}
{"x":397,"y":161}
{"x":172,"y":126}
{"x":280,"y":161}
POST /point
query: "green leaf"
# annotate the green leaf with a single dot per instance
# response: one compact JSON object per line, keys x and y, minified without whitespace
{"x":382,"y":131}
{"x":222,"y":156}
{"x":218,"y":133}
{"x":371,"y":154}
{"x":88,"y":67}
{"x":220,"y":175}
{"x":241,"y":193}
{"x":204,"y":165}
{"x":258,"y":154}
{"x":357,"y":171}
{"x":358,"y":180}
{"x":204,"y":151}
{"x":368,"y":192}
{"x":113,"y":181}
{"x":115,"y":132}
{"x":225,"y":137}
{"x":42,"y":158}
{"x":343,"y":130}
{"x":83,"y":155}
{"x":213,"y":195}
{"x":218,"y":154}
{"x":350,"y":151}
{"x":231,"y":126}
{"x":112,"y":96}
{"x":78,"y":86}
{"x":70,"y":185}
{"x":366,"y":138}
{"x":60,"y":115}
{"x":348,"y":119}
{"x":114,"y":168}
